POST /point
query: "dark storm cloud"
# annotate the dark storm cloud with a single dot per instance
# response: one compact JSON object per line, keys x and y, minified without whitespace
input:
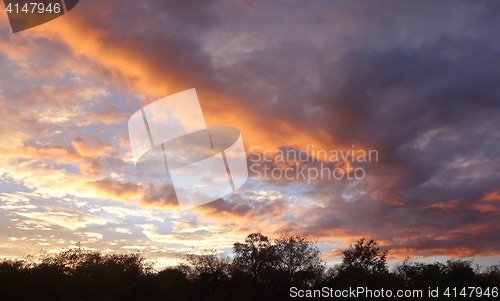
{"x":417,"y":81}
{"x":424,"y":91}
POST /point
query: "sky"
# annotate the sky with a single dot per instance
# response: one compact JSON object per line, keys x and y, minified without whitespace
{"x":418,"y":83}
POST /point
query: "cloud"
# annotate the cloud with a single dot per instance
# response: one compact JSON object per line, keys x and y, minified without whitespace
{"x":122,"y":213}
{"x":124,"y":231}
{"x":332,"y":74}
{"x":216,"y":238}
{"x":124,"y":191}
{"x":65,"y":218}
{"x":87,"y":150}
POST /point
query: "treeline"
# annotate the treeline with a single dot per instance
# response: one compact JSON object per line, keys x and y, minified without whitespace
{"x":262,"y":268}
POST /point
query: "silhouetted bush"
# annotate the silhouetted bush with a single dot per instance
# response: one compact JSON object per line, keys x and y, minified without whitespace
{"x":262,"y":269}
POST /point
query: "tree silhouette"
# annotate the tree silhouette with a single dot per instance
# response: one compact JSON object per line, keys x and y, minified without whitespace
{"x":366,"y":255}
{"x":210,"y":265}
{"x":277,"y":264}
{"x":299,"y":259}
{"x":210,"y":270}
{"x":257,"y":256}
{"x":262,"y":268}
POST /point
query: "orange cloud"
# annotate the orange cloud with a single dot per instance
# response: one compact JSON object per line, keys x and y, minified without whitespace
{"x":95,"y":150}
{"x":492,"y":197}
{"x":138,"y":70}
{"x":126,"y":192}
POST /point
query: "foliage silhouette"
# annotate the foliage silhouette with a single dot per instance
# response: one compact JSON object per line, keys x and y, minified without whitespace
{"x":365,"y":255}
{"x":262,"y":268}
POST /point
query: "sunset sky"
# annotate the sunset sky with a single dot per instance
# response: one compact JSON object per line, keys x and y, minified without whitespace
{"x":419,"y":82}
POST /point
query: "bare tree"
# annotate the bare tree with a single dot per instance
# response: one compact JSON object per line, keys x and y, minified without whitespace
{"x":209,"y":265}
{"x":257,"y":255}
{"x":289,"y":258}
{"x":365,"y":254}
